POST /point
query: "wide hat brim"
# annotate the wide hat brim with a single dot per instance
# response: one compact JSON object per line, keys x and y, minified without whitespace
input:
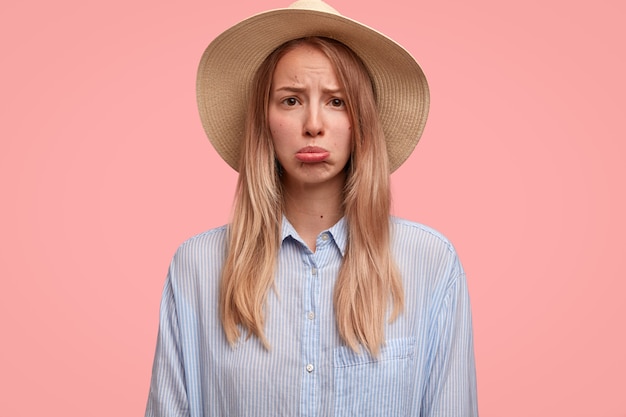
{"x":229,"y":63}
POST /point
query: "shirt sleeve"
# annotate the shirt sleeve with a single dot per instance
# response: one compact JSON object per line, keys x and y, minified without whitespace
{"x":168,"y":393}
{"x":451,"y":389}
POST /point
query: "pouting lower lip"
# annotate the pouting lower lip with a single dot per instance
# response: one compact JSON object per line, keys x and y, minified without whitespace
{"x":310,"y":156}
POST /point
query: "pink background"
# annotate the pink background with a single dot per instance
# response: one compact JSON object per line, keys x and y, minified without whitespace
{"x":105,"y":170}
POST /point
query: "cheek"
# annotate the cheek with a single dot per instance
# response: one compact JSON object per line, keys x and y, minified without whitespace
{"x":348,"y":135}
{"x":277,"y":131}
{"x":276,"y":125}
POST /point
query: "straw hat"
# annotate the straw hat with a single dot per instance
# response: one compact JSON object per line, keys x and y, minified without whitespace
{"x":230,"y":61}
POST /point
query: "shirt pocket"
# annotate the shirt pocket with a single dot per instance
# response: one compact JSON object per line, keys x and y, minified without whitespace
{"x":369,"y":386}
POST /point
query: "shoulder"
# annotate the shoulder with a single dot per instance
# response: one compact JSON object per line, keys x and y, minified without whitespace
{"x":206,"y":246}
{"x":194,"y":272}
{"x":417,"y":247}
{"x":209,"y":237}
{"x":407,"y":232}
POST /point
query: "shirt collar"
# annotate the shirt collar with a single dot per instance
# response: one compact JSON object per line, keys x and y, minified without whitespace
{"x":338,"y":232}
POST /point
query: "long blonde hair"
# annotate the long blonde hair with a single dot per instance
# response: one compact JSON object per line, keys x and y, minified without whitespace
{"x":368,"y":280}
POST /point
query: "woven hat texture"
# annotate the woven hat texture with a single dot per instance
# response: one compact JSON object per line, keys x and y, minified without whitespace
{"x":230,"y":61}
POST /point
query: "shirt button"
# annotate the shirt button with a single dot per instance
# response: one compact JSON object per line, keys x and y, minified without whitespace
{"x":325,"y":236}
{"x":309,"y":368}
{"x":311,"y":315}
{"x":314,"y":271}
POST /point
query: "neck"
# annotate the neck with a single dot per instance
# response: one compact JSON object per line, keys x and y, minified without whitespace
{"x":312,"y":209}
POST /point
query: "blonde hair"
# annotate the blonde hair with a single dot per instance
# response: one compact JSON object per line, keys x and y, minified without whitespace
{"x":368,"y":280}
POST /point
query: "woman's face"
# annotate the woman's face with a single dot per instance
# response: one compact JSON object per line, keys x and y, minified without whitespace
{"x":308,"y":119}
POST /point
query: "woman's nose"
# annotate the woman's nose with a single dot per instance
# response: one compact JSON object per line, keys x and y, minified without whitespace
{"x":313,"y":125}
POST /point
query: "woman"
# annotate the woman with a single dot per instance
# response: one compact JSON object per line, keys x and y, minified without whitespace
{"x":313,"y":301}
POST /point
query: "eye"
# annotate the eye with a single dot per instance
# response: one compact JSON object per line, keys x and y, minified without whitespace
{"x":337,"y":102}
{"x":290,"y":101}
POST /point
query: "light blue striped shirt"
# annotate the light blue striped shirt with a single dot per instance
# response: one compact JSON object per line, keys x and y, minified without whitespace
{"x":426,"y":367}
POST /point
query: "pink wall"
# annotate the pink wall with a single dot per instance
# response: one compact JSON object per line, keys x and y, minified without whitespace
{"x":104,"y":170}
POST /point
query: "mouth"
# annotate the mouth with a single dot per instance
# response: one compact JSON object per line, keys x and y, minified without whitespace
{"x":312,"y":154}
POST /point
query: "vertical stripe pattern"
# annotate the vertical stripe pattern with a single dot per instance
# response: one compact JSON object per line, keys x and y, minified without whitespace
{"x":426,"y":367}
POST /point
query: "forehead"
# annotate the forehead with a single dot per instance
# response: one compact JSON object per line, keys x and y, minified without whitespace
{"x":302,"y":60}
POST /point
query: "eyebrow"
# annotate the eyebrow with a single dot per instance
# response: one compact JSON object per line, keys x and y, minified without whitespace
{"x":292,"y":89}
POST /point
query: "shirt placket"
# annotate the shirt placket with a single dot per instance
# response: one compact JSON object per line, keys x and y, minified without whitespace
{"x":311,"y":336}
